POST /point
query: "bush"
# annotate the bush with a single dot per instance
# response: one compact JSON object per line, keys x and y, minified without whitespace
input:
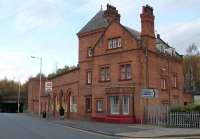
{"x":189,"y":108}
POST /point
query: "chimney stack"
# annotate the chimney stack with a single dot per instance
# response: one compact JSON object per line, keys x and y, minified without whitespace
{"x":147,"y":27}
{"x":111,"y":13}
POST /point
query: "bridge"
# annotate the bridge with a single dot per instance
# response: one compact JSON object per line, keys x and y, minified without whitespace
{"x":9,"y":102}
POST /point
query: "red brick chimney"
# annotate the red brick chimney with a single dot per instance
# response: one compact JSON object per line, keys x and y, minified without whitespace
{"x":111,"y":13}
{"x":147,"y":26}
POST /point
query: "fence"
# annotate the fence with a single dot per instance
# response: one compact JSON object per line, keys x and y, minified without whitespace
{"x":161,"y":116}
{"x":156,"y":115}
{"x":184,"y":119}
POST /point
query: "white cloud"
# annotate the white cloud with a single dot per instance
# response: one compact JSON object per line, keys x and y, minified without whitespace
{"x":182,"y":34}
{"x":16,"y":66}
{"x":124,"y":7}
{"x":40,"y":13}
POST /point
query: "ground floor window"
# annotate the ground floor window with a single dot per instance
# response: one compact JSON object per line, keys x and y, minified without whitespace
{"x":99,"y":105}
{"x":126,"y":101}
{"x":73,"y":104}
{"x":114,"y":105}
{"x":119,"y":105}
{"x":88,"y":103}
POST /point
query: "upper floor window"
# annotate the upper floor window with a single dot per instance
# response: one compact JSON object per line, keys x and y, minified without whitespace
{"x":105,"y":73}
{"x":90,"y":52}
{"x":89,"y":77}
{"x":163,"y":83}
{"x":174,"y":81}
{"x":114,"y":43}
{"x":125,"y":72}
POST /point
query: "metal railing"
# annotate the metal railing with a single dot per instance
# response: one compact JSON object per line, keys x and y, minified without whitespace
{"x":184,"y":119}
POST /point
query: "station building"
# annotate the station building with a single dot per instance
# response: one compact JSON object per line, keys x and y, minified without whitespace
{"x":116,"y":64}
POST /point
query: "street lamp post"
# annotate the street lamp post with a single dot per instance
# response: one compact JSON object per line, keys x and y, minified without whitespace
{"x":19,"y":97}
{"x":40,"y":88}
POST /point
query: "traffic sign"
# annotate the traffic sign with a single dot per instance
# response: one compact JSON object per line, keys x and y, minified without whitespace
{"x":148,"y":93}
{"x":48,"y":86}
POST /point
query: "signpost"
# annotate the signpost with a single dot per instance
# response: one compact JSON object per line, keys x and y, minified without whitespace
{"x":148,"y":93}
{"x":48,"y":91}
{"x":48,"y":87}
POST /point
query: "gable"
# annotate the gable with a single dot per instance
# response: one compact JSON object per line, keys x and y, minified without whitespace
{"x":116,"y":30}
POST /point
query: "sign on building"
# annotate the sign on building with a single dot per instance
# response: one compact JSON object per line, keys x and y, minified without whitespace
{"x":48,"y":87}
{"x":149,"y":93}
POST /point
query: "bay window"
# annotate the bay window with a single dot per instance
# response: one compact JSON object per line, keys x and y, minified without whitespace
{"x":114,"y":105}
{"x":126,"y":101}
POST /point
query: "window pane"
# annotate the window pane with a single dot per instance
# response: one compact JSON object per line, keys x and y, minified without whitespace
{"x":114,"y":105}
{"x":114,"y":43}
{"x":119,"y":42}
{"x":89,"y":77}
{"x":126,"y":105}
{"x":88,"y":105}
{"x":110,"y":44}
{"x":128,"y":71}
{"x":122,"y":72}
{"x":107,"y":73}
{"x":99,"y":105}
{"x":89,"y":51}
{"x":73,"y":105}
{"x":102,"y":74}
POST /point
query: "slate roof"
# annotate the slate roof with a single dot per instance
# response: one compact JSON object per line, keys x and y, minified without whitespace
{"x":160,"y":44}
{"x":133,"y":32}
{"x":100,"y":21}
{"x":97,"y":22}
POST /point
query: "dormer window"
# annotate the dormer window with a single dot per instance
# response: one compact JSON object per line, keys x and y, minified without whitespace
{"x":114,"y":43}
{"x":90,"y":52}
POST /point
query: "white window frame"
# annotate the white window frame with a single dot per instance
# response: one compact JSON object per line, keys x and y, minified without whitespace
{"x":114,"y":107}
{"x":114,"y":43}
{"x":90,"y":52}
{"x":175,"y":81}
{"x":89,"y":77}
{"x":105,"y":73}
{"x":73,"y":104}
{"x":126,"y":107}
{"x":163,"y":83}
{"x":125,"y":72}
{"x":99,"y":104}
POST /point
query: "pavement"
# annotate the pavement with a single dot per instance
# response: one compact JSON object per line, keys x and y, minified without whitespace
{"x":129,"y":130}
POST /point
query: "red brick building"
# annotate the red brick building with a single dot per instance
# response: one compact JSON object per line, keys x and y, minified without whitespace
{"x":115,"y":63}
{"x":33,"y":95}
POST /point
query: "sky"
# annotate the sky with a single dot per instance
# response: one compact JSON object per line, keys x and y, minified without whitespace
{"x":47,"y":29}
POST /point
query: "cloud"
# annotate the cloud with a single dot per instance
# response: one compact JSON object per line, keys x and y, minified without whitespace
{"x":93,"y":6}
{"x":40,"y":13}
{"x":182,"y":34}
{"x":12,"y":65}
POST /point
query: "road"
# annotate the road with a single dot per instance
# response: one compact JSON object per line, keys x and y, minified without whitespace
{"x":19,"y":126}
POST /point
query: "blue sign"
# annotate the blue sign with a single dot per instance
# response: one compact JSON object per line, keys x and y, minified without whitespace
{"x":148,"y":93}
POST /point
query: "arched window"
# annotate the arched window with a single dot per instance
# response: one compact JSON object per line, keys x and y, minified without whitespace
{"x":90,"y":52}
